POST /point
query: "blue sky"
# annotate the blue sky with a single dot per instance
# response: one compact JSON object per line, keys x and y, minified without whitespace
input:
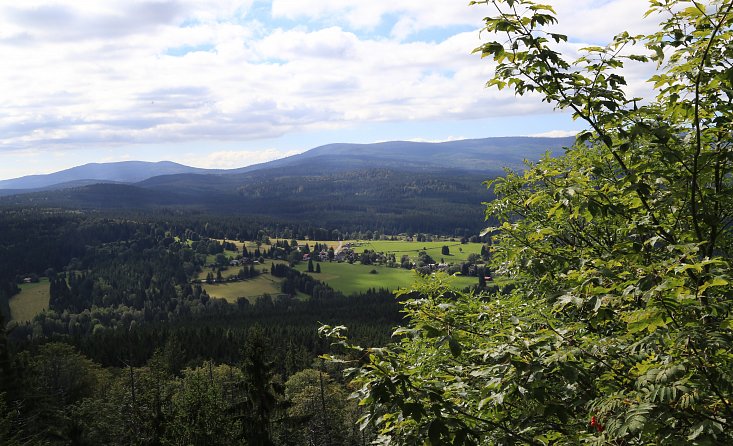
{"x":227,"y":83}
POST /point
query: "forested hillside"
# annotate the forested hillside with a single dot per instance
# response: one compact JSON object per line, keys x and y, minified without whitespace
{"x":384,"y":199}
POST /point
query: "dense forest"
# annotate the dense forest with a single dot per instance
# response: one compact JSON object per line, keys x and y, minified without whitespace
{"x":384,"y":199}
{"x":129,"y":335}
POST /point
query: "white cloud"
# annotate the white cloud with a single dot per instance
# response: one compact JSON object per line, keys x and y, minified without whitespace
{"x":447,"y":139}
{"x":584,"y":20}
{"x":598,"y":21}
{"x":412,"y":15}
{"x":232,"y":159}
{"x":113,"y":73}
{"x":556,"y":133}
{"x":327,"y":43}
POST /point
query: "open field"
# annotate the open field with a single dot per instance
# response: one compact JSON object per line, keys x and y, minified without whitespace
{"x":231,"y":271}
{"x":32,"y":299}
{"x":458,"y":252}
{"x":211,"y":258}
{"x":351,"y":278}
{"x":258,"y":286}
{"x":329,"y":243}
{"x":355,"y":278}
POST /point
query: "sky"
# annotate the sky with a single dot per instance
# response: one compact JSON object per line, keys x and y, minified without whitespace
{"x":228,"y":83}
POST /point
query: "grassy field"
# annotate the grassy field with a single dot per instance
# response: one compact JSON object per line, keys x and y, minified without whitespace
{"x":258,"y":286}
{"x":352,"y":278}
{"x":329,"y":243}
{"x":32,"y":299}
{"x":458,"y":252}
{"x":355,"y":278}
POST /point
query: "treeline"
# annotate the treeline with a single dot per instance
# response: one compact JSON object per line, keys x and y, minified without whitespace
{"x":295,"y":281}
{"x":32,"y":242}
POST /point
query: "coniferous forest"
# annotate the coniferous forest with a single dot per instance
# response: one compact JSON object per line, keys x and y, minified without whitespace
{"x":130,"y":351}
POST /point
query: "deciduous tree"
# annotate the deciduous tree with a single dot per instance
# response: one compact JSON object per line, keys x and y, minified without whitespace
{"x":617,"y":329}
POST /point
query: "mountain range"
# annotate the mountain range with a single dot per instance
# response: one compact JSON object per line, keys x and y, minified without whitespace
{"x":395,"y":185}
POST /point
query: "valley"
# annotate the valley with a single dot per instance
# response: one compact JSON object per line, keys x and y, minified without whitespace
{"x":127,"y":269}
{"x":394,"y":187}
{"x":510,"y":291}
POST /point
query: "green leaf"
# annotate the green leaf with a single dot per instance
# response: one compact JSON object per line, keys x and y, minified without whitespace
{"x":436,"y":431}
{"x":649,"y":319}
{"x":455,"y":347}
{"x":717,"y":281}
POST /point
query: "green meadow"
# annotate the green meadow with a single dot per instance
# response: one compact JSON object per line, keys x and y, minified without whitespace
{"x":355,"y":278}
{"x":458,"y":252}
{"x":345,"y":277}
{"x":231,"y":291}
{"x":32,"y":299}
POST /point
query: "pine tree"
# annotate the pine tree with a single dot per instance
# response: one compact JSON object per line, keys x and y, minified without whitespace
{"x":7,"y":377}
{"x":261,"y":390}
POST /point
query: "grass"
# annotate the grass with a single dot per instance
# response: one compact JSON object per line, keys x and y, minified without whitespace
{"x":351,"y":278}
{"x":458,"y":252}
{"x":355,"y":278}
{"x":329,"y":243}
{"x":251,"y":288}
{"x":32,"y":299}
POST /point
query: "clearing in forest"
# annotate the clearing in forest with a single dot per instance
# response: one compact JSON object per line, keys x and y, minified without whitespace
{"x":251,"y":288}
{"x":355,"y":278}
{"x":32,"y":299}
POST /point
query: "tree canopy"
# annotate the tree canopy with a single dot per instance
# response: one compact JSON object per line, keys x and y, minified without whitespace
{"x":615,"y":325}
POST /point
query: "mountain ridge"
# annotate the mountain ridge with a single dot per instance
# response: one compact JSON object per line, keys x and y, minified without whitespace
{"x":467,"y":154}
{"x":120,"y":172}
{"x":395,"y":186}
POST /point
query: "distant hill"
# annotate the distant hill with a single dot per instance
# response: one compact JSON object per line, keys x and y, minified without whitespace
{"x":394,"y":186}
{"x":390,"y":200}
{"x":121,"y":172}
{"x":468,"y":154}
